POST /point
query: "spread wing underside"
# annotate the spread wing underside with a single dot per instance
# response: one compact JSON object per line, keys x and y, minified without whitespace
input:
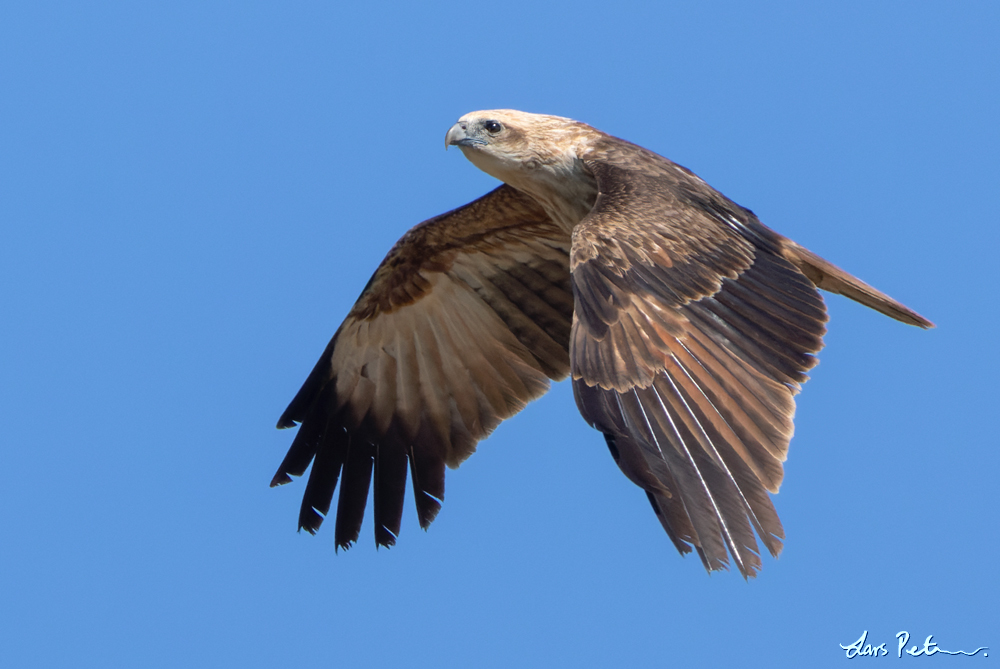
{"x":462,"y":324}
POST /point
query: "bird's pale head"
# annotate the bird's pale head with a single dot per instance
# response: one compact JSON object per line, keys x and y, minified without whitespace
{"x":510,"y":144}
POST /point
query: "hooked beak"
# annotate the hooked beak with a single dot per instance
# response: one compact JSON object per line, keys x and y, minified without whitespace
{"x":457,"y":137}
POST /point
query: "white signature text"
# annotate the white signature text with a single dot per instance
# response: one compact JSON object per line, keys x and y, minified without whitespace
{"x":861,"y":648}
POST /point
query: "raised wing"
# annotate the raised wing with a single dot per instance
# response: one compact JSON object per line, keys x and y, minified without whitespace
{"x":463,"y":323}
{"x":695,"y":325}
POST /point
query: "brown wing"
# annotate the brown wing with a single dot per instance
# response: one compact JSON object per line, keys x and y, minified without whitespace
{"x":695,"y":325}
{"x":461,"y":325}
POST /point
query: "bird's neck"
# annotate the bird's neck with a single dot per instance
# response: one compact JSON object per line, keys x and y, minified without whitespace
{"x":565,"y":188}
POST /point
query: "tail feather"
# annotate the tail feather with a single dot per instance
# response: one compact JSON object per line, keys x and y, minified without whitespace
{"x":829,"y":277}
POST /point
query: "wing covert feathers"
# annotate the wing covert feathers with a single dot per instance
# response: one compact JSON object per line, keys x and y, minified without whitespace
{"x":462,"y":324}
{"x":686,"y":352}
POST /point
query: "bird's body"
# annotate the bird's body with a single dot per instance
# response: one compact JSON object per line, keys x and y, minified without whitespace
{"x":686,"y":325}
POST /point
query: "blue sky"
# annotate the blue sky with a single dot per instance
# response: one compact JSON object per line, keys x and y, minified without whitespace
{"x":192,"y":195}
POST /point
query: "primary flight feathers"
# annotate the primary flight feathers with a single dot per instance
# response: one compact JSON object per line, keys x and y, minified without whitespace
{"x":686,"y":324}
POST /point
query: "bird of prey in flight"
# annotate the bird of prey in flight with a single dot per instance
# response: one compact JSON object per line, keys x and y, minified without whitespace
{"x":686,"y":326}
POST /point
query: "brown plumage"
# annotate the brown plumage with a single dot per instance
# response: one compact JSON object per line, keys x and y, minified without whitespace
{"x":686,"y":324}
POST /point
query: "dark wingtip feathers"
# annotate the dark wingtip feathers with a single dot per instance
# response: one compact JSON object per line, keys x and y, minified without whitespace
{"x":281,"y":478}
{"x":428,"y":507}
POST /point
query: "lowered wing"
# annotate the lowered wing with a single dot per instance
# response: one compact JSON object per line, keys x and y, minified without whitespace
{"x":695,"y":325}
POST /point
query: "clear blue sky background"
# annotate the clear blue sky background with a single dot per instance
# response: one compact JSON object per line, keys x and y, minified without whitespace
{"x":193,"y":194}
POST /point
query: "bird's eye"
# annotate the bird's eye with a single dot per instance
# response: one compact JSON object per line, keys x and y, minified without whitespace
{"x":492,"y":127}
